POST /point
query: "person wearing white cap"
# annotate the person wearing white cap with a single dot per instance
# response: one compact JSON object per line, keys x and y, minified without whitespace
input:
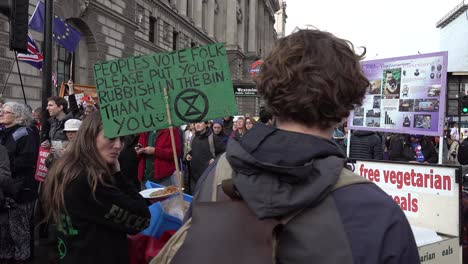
{"x":71,"y":128}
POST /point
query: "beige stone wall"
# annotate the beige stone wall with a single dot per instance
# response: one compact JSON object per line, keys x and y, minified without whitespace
{"x":120,"y":28}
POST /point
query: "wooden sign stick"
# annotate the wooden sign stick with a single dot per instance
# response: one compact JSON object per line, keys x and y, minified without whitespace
{"x":174,"y":151}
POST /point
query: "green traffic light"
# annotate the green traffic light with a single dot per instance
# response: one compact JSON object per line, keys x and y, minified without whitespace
{"x":465,"y":109}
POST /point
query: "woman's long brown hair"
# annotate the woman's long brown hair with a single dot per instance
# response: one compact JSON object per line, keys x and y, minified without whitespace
{"x":81,"y":158}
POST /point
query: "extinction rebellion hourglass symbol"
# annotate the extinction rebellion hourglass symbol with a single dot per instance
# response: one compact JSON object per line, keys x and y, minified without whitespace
{"x":191,"y":105}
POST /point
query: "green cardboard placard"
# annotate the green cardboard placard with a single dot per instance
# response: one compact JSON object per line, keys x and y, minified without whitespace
{"x":131,"y":90}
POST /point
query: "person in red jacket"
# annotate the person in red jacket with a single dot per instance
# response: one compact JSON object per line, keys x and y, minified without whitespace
{"x":155,"y":156}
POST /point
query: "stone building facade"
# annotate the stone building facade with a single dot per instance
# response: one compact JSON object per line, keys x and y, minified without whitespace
{"x":280,"y":20}
{"x":454,"y":39}
{"x":120,"y":28}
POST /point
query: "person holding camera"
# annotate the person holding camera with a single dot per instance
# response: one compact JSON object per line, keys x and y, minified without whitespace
{"x":155,"y":155}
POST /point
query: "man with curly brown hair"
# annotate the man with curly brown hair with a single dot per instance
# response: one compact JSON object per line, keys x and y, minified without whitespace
{"x":310,"y":82}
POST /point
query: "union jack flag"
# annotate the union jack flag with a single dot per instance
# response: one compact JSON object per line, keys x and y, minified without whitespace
{"x":34,"y":55}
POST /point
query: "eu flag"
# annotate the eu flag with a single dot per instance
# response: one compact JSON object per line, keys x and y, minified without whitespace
{"x":65,"y":35}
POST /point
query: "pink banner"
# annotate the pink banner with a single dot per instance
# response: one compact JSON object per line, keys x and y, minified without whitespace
{"x":41,"y":169}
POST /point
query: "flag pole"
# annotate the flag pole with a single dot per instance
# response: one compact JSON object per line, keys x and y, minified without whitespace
{"x":71,"y":65}
{"x":47,"y":65}
{"x":21,"y":79}
{"x":8,"y":77}
{"x":174,"y":151}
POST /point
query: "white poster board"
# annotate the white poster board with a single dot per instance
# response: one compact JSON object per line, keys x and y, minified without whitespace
{"x":428,"y":195}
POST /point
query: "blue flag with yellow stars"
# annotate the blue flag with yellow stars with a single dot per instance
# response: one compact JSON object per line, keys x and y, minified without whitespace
{"x":65,"y":35}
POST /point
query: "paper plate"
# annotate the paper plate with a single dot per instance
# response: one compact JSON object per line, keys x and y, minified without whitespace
{"x":146,"y":193}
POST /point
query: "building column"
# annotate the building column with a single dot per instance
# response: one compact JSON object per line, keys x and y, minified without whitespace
{"x":266,"y":30}
{"x":210,"y":18}
{"x":271,"y":26}
{"x":241,"y":26}
{"x":231,"y":24}
{"x":182,"y":7}
{"x":198,"y":13}
{"x":260,"y":28}
{"x":253,"y":5}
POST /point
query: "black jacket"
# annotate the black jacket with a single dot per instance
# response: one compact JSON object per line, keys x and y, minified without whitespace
{"x":23,"y":146}
{"x":5,"y":175}
{"x":128,"y":159}
{"x":278,"y":173}
{"x":401,"y":150}
{"x":227,"y":125}
{"x":53,"y":130}
{"x":201,"y":154}
{"x":95,"y":229}
{"x":366,"y":145}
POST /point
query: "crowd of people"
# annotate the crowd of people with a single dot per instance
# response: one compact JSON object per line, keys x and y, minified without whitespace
{"x":285,"y":164}
{"x":90,"y":173}
{"x":370,"y":145}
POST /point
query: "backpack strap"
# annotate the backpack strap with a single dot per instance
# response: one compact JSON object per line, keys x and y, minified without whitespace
{"x":223,"y":172}
{"x":230,"y":189}
{"x":170,"y":249}
{"x":347,"y":177}
{"x":211,"y":145}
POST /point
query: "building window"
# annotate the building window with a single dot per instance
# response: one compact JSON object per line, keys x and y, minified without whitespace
{"x":175,"y":36}
{"x":167,"y":32}
{"x":204,"y":11}
{"x":189,"y":8}
{"x":63,"y":65}
{"x":140,"y":15}
{"x":153,"y":29}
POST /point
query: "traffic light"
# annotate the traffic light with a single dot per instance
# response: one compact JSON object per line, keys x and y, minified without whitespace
{"x":17,"y":13}
{"x":464,"y":104}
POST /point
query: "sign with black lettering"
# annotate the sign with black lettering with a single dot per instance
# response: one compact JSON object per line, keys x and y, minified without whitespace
{"x":131,"y":97}
{"x":446,"y":251}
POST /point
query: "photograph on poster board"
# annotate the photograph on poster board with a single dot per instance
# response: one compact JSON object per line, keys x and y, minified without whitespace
{"x":373,"y":112}
{"x":391,"y":83}
{"x":405,"y":91}
{"x":359,"y":121}
{"x":422,"y":121}
{"x":375,"y":87}
{"x":406,"y":105}
{"x":373,"y":122}
{"x":359,"y":111}
{"x":407,"y":120}
{"x":426,"y":105}
{"x":434,"y":90}
{"x":389,"y":119}
{"x":377,"y":101}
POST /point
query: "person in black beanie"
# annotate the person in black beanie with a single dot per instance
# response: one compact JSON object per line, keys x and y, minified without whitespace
{"x":228,"y":122}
